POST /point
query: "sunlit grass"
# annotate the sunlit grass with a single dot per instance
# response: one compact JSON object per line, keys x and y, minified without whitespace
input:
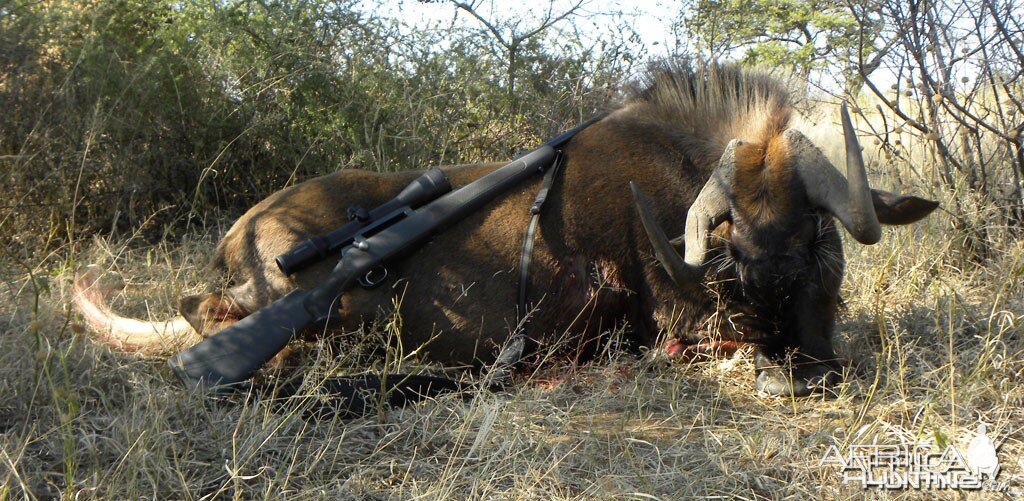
{"x":931,"y":338}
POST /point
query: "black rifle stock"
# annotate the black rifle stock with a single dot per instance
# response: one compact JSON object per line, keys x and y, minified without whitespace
{"x":235,"y":353}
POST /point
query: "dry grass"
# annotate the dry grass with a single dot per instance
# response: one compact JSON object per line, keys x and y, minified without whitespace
{"x":933,"y":340}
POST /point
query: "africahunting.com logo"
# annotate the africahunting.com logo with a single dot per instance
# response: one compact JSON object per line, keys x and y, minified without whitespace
{"x":920,"y":466}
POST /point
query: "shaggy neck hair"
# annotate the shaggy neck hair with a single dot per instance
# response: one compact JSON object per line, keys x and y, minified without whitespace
{"x":709,"y":105}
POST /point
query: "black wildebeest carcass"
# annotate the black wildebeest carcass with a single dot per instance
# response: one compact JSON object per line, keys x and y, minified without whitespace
{"x":714,"y":159}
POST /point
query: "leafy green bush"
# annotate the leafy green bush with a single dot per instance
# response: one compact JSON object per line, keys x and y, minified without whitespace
{"x":148,"y":114}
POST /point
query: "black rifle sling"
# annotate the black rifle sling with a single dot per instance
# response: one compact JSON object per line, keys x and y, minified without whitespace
{"x":513,"y":350}
{"x":531,"y":231}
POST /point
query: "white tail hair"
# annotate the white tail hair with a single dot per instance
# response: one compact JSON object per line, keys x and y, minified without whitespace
{"x":92,"y":288}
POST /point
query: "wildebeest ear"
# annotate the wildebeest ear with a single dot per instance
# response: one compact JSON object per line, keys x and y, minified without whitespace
{"x":896,"y":209}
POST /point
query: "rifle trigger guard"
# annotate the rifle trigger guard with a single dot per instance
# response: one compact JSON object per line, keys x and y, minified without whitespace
{"x":373,"y":277}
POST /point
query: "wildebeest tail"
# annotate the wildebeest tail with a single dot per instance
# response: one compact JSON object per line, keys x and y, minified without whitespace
{"x":90,"y":292}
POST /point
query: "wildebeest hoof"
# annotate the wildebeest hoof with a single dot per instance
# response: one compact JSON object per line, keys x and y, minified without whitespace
{"x":805,"y":380}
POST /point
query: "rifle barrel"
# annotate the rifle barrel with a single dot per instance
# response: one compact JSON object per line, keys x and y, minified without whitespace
{"x":237,"y":352}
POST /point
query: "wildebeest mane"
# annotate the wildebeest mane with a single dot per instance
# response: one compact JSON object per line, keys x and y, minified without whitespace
{"x":709,"y":105}
{"x":716,"y":102}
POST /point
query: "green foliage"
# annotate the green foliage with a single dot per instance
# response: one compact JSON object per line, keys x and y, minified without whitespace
{"x":141,"y":113}
{"x":796,"y":34}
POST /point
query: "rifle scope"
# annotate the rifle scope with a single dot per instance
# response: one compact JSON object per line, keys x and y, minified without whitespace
{"x":426,"y":188}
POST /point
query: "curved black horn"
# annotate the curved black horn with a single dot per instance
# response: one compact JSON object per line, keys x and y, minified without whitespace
{"x":849,"y":198}
{"x":678,"y":271}
{"x":863,"y":224}
{"x":708,"y":210}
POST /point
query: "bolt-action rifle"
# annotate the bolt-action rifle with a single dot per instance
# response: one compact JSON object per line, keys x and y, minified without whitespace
{"x":235,"y":353}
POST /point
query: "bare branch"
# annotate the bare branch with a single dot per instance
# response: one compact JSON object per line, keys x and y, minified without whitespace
{"x":471,"y":10}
